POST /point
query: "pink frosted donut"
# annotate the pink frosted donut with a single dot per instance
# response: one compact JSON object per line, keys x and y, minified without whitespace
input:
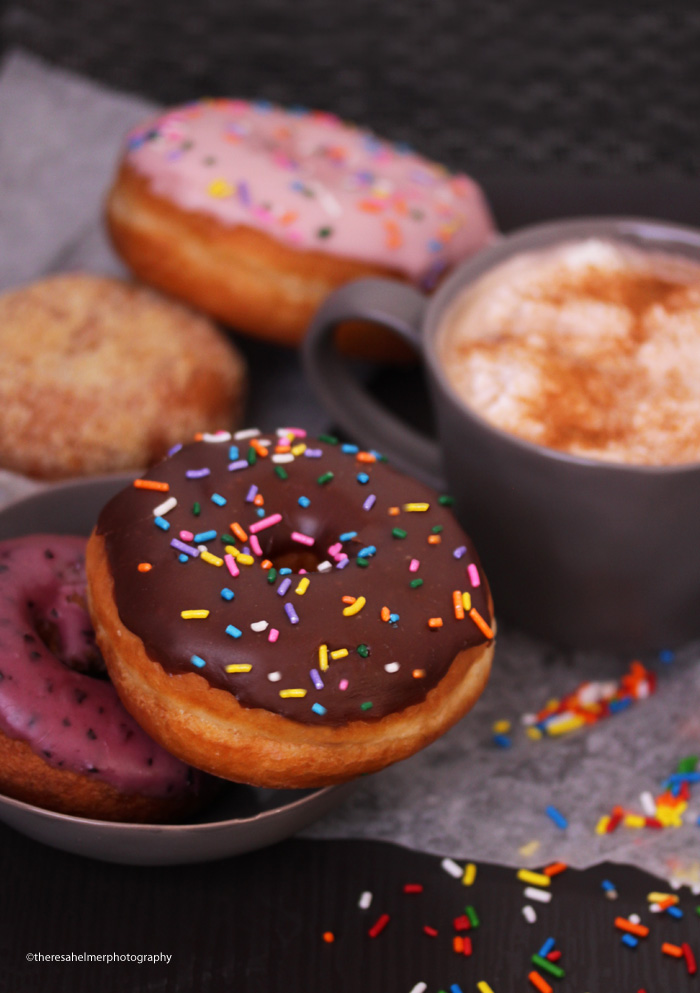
{"x":254,"y":213}
{"x":66,"y":742}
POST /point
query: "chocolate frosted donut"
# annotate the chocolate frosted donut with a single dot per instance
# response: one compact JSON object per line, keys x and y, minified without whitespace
{"x":66,"y":742}
{"x":286,"y":611}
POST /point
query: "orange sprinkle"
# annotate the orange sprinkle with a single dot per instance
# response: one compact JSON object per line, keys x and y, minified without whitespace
{"x":435,"y":622}
{"x":667,"y":902}
{"x":289,"y":217}
{"x":418,"y":673}
{"x":555,"y":868}
{"x":480,"y":622}
{"x":282,"y":449}
{"x":458,"y":944}
{"x":198,"y":436}
{"x":366,"y":457}
{"x":258,"y":500}
{"x":151,"y":484}
{"x":145,"y":566}
{"x":385,"y":613}
{"x":434,"y":539}
{"x":238,"y":531}
{"x":457,"y":601}
{"x":538,"y":982}
{"x":266,"y":564}
{"x":394,"y":511}
{"x":622,"y":924}
{"x":370,"y":206}
{"x":259,"y":449}
{"x":348,"y":599}
{"x":328,"y":937}
{"x":675,"y":950}
{"x":394,"y":238}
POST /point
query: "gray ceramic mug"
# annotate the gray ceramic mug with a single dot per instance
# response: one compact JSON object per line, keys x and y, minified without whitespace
{"x":584,"y":553}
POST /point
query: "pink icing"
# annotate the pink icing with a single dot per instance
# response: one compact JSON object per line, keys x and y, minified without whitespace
{"x":74,"y":721}
{"x":310,"y":180}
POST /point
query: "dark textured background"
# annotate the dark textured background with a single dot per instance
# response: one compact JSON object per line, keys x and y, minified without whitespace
{"x":491,"y":86}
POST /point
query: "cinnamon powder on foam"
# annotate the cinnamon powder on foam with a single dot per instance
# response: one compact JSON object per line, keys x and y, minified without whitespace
{"x":592,"y":349}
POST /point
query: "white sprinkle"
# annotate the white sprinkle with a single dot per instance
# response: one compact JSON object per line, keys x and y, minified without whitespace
{"x":675,"y":884}
{"x":202,"y":548}
{"x":365,"y":900}
{"x":529,"y":914}
{"x":695,"y":889}
{"x":655,"y":908}
{"x":274,"y":677}
{"x":419,"y":988}
{"x":218,"y":436}
{"x":284,"y":457}
{"x":259,"y":626}
{"x":249,"y":433}
{"x":532,"y":893}
{"x":634,"y":919}
{"x":528,"y":720}
{"x":454,"y":870}
{"x":165,"y":507}
{"x":648,"y":804}
{"x":392,"y":667}
{"x":265,"y":442}
{"x":324,"y":566}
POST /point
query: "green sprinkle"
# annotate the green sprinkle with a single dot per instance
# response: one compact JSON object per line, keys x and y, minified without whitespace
{"x":437,"y":529}
{"x":471,"y":914}
{"x":363,"y":652}
{"x":325,"y":232}
{"x":196,"y":509}
{"x":227,"y":539}
{"x":367,"y":705}
{"x":415,"y":583}
{"x":550,"y":967}
{"x":688,"y":764}
{"x":330,"y":439}
{"x":362,"y":562}
{"x":446,"y":500}
{"x":697,"y":911}
{"x":281,"y":472}
{"x":252,"y":456}
{"x":399,"y":533}
{"x":325,"y":478}
{"x":272,"y":575}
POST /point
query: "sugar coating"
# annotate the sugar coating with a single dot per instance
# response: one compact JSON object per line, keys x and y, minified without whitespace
{"x":590,"y":347}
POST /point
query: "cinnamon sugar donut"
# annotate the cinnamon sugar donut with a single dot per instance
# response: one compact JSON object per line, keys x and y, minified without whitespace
{"x":254,"y":214}
{"x":288,"y":612}
{"x":66,"y":742}
{"x":99,"y":375}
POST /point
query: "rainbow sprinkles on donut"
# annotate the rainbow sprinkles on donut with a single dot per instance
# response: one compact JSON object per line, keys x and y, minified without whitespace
{"x":286,"y":611}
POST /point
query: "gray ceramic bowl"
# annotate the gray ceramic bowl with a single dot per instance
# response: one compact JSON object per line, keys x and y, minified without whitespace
{"x":241,"y":819}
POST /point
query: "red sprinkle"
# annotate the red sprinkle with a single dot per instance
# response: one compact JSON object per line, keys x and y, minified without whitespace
{"x":413,"y":888}
{"x":462,"y":923}
{"x":689,"y":958}
{"x":555,"y":955}
{"x":430,"y":931}
{"x":467,"y":949}
{"x":555,"y":868}
{"x":379,"y":926}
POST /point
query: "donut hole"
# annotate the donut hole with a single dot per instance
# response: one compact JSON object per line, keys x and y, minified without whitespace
{"x":60,"y":620}
{"x":298,"y":559}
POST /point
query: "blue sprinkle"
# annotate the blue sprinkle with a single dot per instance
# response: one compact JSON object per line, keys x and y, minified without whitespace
{"x":666,"y":656}
{"x":233,"y":453}
{"x":260,"y":511}
{"x":674,"y":911}
{"x":284,"y":586}
{"x":318,"y":708}
{"x":161,"y":523}
{"x":367,"y":552}
{"x":291,"y":613}
{"x":630,"y":940}
{"x":198,"y":661}
{"x":227,"y":594}
{"x":608,"y":886}
{"x":557,"y":817}
{"x":394,"y":618}
{"x":348,"y":536}
{"x":349,"y":449}
{"x":218,"y":499}
{"x":362,"y":477}
{"x":284,"y":571}
{"x":183,"y":558}
{"x":233,"y":631}
{"x":503,"y":741}
{"x":546,"y":948}
{"x":616,"y":706}
{"x":455,"y":988}
{"x":303,"y":501}
{"x":204,"y":536}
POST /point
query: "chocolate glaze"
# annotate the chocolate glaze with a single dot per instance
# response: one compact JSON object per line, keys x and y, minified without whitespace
{"x":150,"y":602}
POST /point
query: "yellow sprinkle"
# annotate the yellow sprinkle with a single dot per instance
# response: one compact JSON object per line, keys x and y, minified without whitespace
{"x":323,"y":657}
{"x":501,"y":727}
{"x":219,"y":188}
{"x":634,"y":821}
{"x":339,"y":653}
{"x":662,"y":897}
{"x":240,"y":667}
{"x":529,"y":849}
{"x":534,"y":734}
{"x":245,"y":559}
{"x":298,"y":449}
{"x":563,"y":727}
{"x":469,"y":874}
{"x":290,"y":693}
{"x":416,"y":508}
{"x":552,"y":704}
{"x":354,"y":608}
{"x":232,"y":550}
{"x":602,"y":825}
{"x":303,"y":585}
{"x":483,"y":987}
{"x":211,"y":559}
{"x":670,"y":816}
{"x":467,"y":601}
{"x":188,"y":615}
{"x":533,"y":878}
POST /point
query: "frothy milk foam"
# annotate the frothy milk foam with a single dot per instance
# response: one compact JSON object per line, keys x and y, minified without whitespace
{"x":589,"y":347}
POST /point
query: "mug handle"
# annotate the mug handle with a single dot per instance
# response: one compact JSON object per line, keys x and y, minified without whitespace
{"x":400,"y":308}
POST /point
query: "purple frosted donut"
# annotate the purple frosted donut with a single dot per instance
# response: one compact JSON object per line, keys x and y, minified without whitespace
{"x":66,"y":741}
